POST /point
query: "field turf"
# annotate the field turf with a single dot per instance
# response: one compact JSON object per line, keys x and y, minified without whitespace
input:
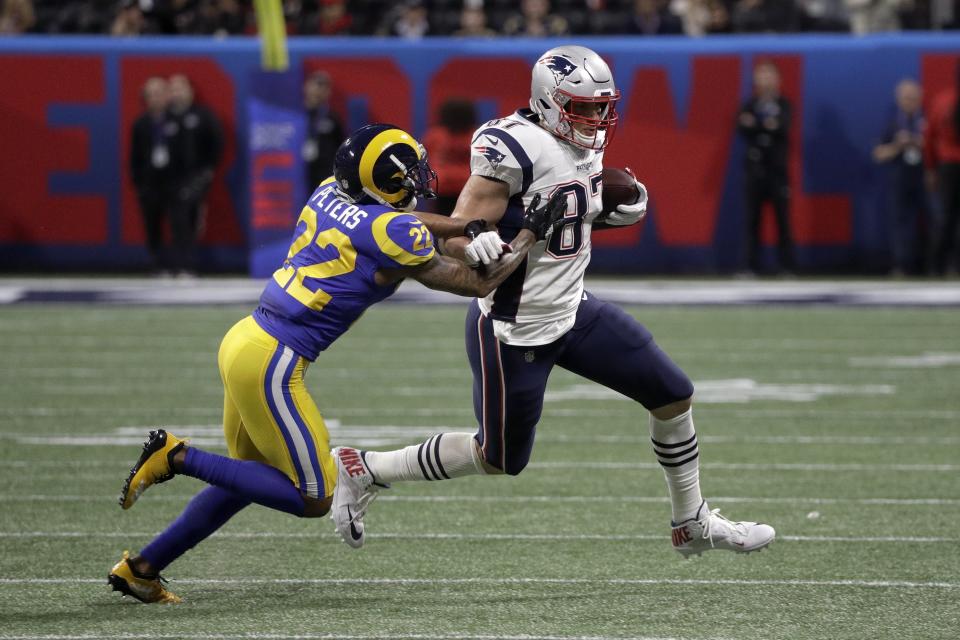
{"x":838,"y":426}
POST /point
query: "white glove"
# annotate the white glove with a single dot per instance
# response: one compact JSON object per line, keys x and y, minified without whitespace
{"x":486,"y":248}
{"x":627,"y":214}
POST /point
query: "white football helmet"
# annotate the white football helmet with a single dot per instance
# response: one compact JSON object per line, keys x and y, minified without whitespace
{"x":573,"y":93}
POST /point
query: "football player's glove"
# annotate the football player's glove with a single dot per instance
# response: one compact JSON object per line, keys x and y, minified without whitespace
{"x":485,"y":245}
{"x":627,"y":214}
{"x":542,"y":220}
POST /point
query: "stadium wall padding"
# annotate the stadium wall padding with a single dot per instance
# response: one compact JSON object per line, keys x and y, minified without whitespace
{"x":67,"y":104}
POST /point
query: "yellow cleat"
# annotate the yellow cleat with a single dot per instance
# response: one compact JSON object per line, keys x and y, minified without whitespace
{"x":154,"y":466}
{"x":146,"y":589}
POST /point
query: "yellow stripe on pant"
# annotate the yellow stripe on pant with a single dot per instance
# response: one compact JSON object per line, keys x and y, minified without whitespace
{"x":268,"y":414}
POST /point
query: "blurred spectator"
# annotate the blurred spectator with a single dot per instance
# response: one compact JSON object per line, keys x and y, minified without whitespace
{"x":942,"y":147}
{"x":750,"y":16}
{"x":150,"y":166}
{"x":16,"y":16}
{"x":219,"y":18}
{"x":448,"y":146}
{"x":129,"y":21}
{"x":535,"y":20}
{"x":598,"y":16}
{"x":408,"y":20}
{"x":719,"y":20}
{"x":473,"y":22}
{"x":871,"y":16}
{"x":700,"y":17}
{"x":823,"y":15}
{"x":195,"y":151}
{"x":945,"y":14}
{"x":91,"y":16}
{"x":333,"y":19}
{"x":295,"y":15}
{"x":908,"y":207}
{"x":652,"y":17}
{"x":136,"y":17}
{"x":764,"y":122}
{"x":324,"y":131}
{"x":916,"y":14}
{"x":757,"y":16}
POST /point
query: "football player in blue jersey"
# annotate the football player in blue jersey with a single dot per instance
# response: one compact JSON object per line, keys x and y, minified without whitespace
{"x":541,"y":316}
{"x":353,"y":244}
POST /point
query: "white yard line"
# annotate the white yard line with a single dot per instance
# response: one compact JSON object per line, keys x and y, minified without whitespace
{"x":751,"y":466}
{"x":793,"y":439}
{"x":737,"y":411}
{"x":72,"y":411}
{"x":469,"y":536}
{"x":123,"y":436}
{"x":881,"y":584}
{"x":630,"y":499}
{"x":617,"y":466}
{"x":337,"y":636}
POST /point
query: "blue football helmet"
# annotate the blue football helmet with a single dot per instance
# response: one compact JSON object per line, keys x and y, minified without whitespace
{"x":383,"y":163}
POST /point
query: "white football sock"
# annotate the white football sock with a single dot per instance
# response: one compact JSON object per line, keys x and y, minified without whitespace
{"x":675,"y":444}
{"x":444,"y":456}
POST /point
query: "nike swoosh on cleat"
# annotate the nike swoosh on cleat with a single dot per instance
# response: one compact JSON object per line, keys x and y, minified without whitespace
{"x":354,"y":533}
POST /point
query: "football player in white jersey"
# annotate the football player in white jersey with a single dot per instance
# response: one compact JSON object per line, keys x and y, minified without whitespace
{"x":541,"y":316}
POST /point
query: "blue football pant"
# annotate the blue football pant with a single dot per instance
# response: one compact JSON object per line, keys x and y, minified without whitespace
{"x":605,"y":345}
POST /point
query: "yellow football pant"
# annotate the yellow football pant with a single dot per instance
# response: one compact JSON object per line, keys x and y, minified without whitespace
{"x":268,"y":414}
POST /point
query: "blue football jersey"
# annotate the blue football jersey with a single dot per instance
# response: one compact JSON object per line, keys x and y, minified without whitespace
{"x":327,"y":280}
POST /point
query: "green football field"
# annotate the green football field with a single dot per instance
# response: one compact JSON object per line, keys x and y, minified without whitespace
{"x":838,"y":426}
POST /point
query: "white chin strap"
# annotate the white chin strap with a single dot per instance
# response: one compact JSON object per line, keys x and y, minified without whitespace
{"x":410,"y":205}
{"x":373,"y":195}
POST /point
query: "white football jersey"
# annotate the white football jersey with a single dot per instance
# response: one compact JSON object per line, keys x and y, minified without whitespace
{"x":538,"y":302}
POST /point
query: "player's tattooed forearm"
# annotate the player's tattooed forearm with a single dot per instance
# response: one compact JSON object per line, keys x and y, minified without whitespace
{"x":441,"y":226}
{"x":447,"y":274}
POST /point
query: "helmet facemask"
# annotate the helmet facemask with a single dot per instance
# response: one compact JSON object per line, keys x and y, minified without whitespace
{"x":416,"y":180}
{"x":587,"y":131}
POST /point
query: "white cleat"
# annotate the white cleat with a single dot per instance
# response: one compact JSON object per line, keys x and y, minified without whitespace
{"x":352,"y":496}
{"x":710,"y":530}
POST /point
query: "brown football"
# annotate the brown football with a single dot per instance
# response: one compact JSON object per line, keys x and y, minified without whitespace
{"x":619,"y":187}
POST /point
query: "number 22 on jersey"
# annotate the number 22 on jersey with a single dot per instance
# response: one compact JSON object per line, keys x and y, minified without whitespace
{"x":291,"y":278}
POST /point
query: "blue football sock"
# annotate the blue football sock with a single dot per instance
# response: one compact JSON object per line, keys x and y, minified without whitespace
{"x":253,"y":481}
{"x":205,"y":513}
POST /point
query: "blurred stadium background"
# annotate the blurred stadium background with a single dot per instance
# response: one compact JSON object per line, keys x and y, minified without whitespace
{"x":70,"y":93}
{"x":828,"y":400}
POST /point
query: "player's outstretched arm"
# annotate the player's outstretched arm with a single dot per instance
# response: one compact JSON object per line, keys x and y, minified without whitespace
{"x":447,"y":274}
{"x":482,"y":198}
{"x":442,"y":226}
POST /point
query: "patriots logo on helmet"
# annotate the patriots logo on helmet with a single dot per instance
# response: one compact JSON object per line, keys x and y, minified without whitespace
{"x":493,"y":156}
{"x":560,"y":66}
